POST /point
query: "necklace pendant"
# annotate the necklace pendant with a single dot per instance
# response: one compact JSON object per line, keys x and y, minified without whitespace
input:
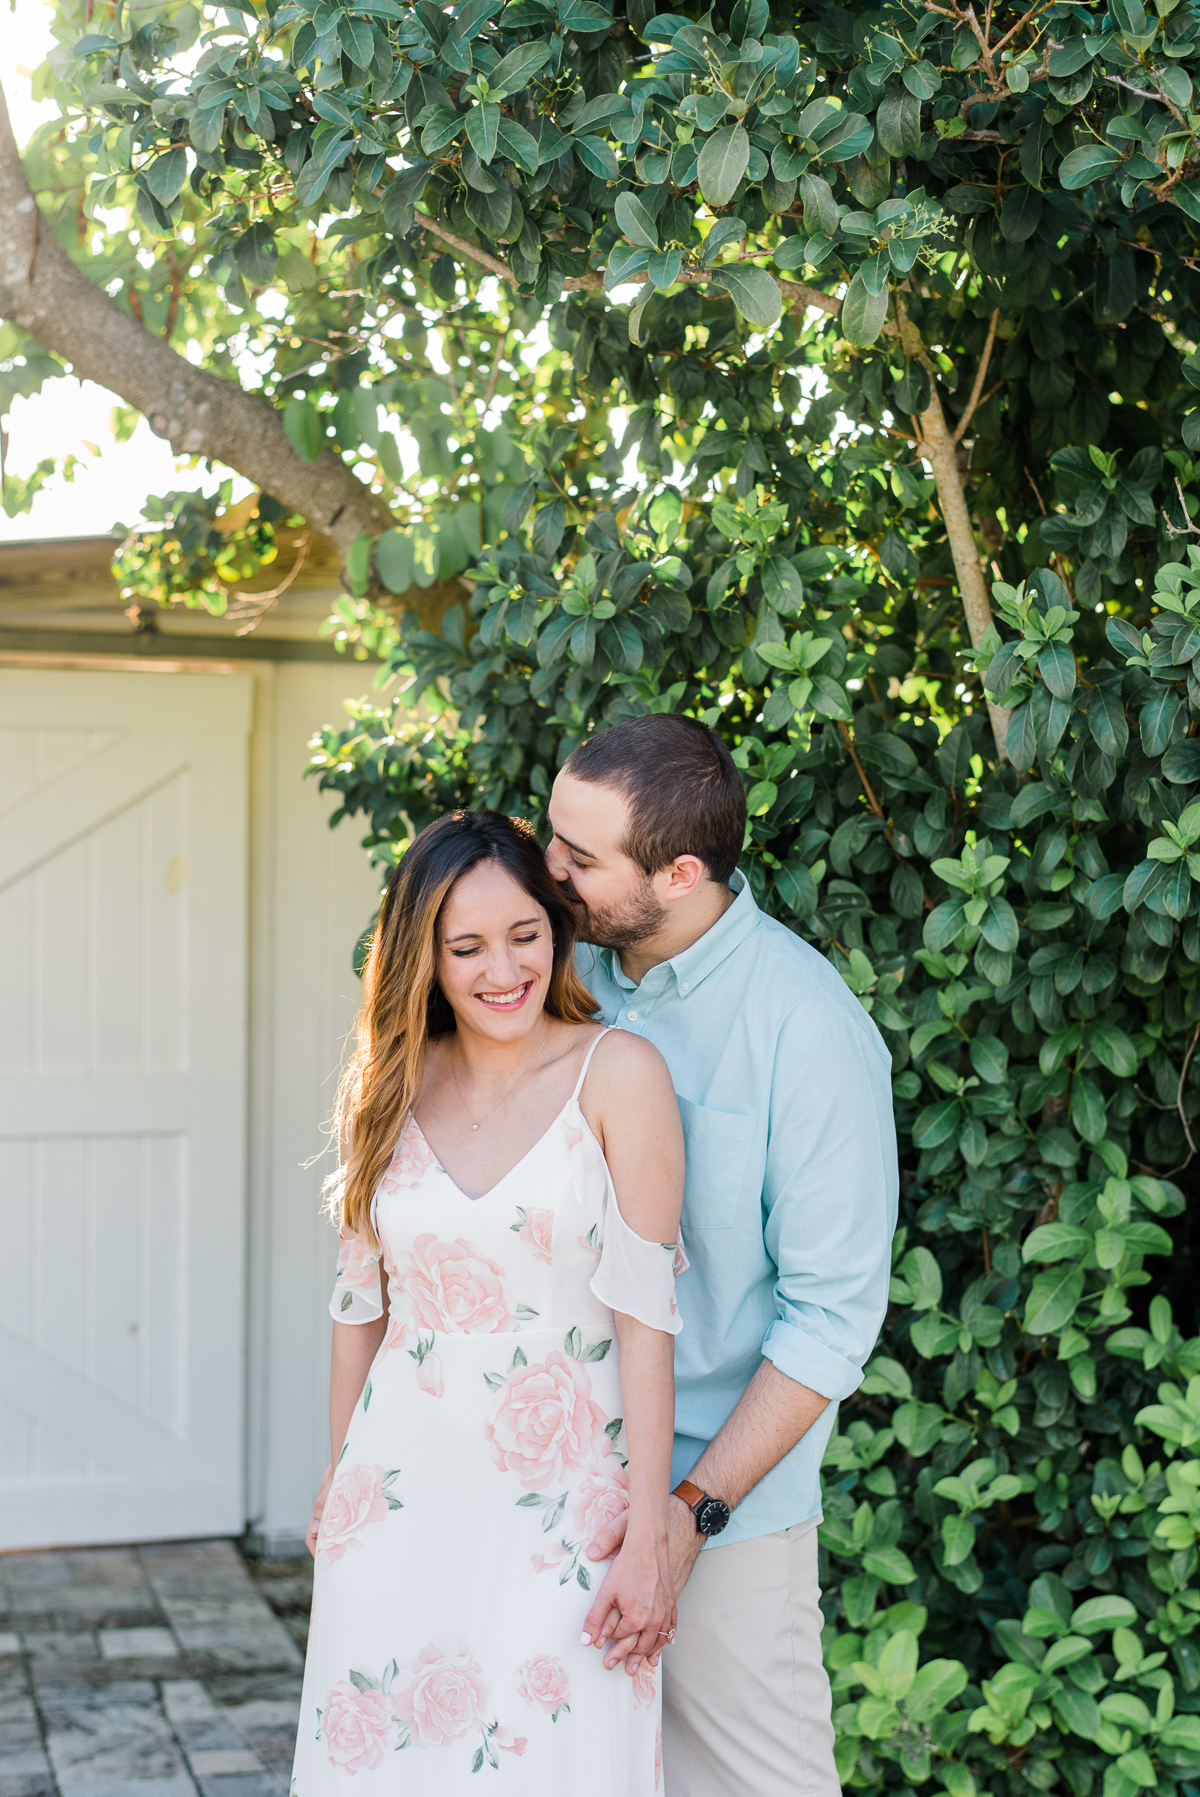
{"x":474,"y":1126}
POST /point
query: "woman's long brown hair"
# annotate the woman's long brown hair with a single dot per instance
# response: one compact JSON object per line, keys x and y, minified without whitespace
{"x":403,"y":1005}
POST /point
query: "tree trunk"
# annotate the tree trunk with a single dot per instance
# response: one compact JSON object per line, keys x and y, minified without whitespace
{"x":43,"y":292}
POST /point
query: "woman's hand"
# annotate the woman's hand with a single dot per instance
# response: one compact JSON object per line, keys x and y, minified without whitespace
{"x":635,"y":1606}
{"x":314,"y":1521}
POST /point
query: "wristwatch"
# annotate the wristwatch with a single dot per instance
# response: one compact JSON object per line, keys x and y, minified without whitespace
{"x":711,"y":1513}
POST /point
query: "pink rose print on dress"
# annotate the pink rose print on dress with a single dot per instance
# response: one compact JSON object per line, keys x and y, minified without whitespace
{"x":357,"y":1727}
{"x":451,"y":1286}
{"x":429,"y":1375}
{"x":410,"y":1163}
{"x":400,"y":1330}
{"x":358,"y":1501}
{"x":509,"y":1741}
{"x":644,"y":1688}
{"x":573,"y":1134}
{"x":447,"y":1697}
{"x":546,"y":1423}
{"x":551,"y":1560}
{"x":658,"y":1759}
{"x":358,"y":1262}
{"x":535,"y":1229}
{"x":600,"y":1495}
{"x":542,"y":1682}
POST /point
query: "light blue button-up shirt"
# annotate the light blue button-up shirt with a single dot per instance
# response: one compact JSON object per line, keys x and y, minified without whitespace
{"x":791,"y":1192}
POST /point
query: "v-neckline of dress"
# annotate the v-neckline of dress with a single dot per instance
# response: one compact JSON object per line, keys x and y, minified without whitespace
{"x":504,"y":1177}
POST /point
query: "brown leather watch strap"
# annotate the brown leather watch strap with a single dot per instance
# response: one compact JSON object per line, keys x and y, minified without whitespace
{"x":691,"y":1494}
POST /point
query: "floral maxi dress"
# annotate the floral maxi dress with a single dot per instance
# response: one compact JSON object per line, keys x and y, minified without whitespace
{"x":452,"y":1577}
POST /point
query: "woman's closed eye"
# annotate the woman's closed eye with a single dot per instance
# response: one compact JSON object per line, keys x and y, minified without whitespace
{"x":460,"y":954}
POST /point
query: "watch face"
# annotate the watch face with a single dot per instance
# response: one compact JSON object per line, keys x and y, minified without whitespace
{"x":711,"y":1516}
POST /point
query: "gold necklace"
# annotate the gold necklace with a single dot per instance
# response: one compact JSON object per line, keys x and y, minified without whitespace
{"x":512,"y":1087}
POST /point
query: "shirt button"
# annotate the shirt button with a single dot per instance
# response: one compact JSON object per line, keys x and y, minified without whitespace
{"x":632,"y":1016}
{"x":685,"y":987}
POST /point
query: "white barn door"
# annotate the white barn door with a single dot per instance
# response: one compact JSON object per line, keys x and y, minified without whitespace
{"x":123,"y":900}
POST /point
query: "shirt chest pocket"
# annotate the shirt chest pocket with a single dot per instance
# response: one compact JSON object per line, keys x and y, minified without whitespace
{"x":718,"y":1151}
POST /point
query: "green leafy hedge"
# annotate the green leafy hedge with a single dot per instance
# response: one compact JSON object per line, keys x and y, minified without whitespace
{"x":1013,"y":1498}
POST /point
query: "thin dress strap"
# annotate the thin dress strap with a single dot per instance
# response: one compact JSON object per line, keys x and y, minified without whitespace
{"x":587,"y":1059}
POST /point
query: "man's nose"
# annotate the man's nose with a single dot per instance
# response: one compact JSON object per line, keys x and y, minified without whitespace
{"x":555,"y":861}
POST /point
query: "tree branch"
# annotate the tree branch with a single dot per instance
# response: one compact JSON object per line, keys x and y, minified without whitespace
{"x":940,"y":450}
{"x":43,"y":292}
{"x":977,"y":389}
{"x":795,"y":293}
{"x":468,"y":249}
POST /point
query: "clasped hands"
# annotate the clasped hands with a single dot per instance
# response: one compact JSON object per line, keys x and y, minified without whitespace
{"x":635,"y":1607}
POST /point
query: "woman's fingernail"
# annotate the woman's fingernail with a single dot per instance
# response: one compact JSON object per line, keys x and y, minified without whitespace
{"x":585,"y":1640}
{"x":634,"y":1664}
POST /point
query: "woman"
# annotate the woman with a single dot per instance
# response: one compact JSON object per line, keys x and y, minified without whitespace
{"x":502,"y":1358}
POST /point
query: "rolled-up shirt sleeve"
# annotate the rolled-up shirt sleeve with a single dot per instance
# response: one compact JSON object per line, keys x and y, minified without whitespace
{"x":830,"y":1198}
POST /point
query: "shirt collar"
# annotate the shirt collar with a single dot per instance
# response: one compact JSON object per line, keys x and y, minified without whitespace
{"x":696,"y":962}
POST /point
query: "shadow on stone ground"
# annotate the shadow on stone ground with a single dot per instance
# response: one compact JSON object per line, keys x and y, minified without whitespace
{"x":158,"y":1671}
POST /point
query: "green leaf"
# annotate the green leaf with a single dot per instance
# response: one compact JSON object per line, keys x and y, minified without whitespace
{"x":304,"y":428}
{"x":863,"y":312}
{"x":1056,"y":665}
{"x":1113,"y":1049}
{"x":483,"y":124}
{"x":255,"y":254}
{"x":1091,"y":163}
{"x":958,"y":1538}
{"x":596,"y":156}
{"x":358,"y":564}
{"x":1099,"y":1614}
{"x":936,"y":1123}
{"x":891,"y":1564}
{"x":989,"y":1057}
{"x":782,"y":585}
{"x":166,"y":175}
{"x":394,"y":560}
{"x":1156,"y":722}
{"x":722,"y":163}
{"x":1077,"y":1712}
{"x":514,"y":71}
{"x":1052,"y":1301}
{"x":513,"y":141}
{"x":937,"y":1684}
{"x":1021,"y":214}
{"x":898,"y":122}
{"x":1056,"y":1241}
{"x":636,"y":222}
{"x":918,"y":1428}
{"x":753,"y":291}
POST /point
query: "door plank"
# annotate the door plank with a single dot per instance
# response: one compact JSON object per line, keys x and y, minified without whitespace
{"x":107,"y":784}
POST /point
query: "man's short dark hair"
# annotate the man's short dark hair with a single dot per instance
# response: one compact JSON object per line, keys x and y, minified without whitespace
{"x":685,"y":795}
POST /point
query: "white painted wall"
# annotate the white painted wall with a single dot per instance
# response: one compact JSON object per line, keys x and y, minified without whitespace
{"x":313,"y":893}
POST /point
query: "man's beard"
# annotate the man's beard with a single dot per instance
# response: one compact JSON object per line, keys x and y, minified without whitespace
{"x":618,"y":927}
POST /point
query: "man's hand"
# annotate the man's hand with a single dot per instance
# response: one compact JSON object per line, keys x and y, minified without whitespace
{"x":685,"y":1544}
{"x":314,"y":1521}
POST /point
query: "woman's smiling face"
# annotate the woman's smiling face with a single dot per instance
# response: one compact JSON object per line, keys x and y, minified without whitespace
{"x":495,"y":954}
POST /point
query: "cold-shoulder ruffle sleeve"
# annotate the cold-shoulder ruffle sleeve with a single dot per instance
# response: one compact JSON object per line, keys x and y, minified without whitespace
{"x":636,"y":1276}
{"x":357,"y":1290}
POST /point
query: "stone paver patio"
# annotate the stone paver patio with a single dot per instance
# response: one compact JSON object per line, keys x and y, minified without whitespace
{"x":164,"y":1671}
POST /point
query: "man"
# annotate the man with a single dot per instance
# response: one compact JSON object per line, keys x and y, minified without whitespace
{"x":789,"y":1209}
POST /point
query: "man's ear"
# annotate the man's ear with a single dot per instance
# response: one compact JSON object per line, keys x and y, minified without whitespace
{"x":685,"y":875}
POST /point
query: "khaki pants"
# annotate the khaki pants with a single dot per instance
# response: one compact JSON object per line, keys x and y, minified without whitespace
{"x":746,"y":1704}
